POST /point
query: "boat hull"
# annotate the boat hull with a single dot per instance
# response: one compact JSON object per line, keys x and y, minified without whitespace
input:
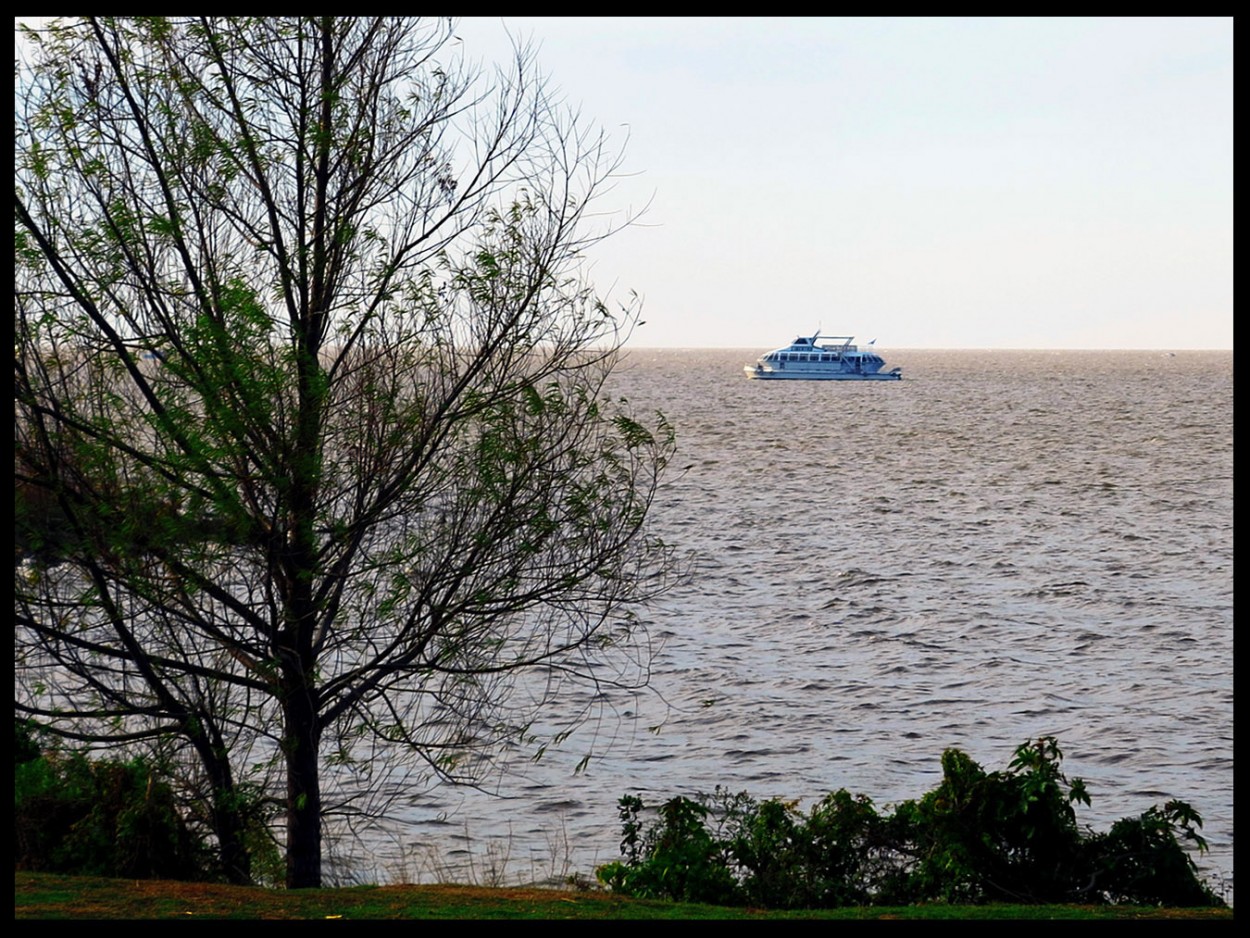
{"x":757,"y":374}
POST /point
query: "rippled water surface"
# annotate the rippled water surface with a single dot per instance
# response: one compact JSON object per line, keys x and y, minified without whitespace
{"x":1002,"y":545}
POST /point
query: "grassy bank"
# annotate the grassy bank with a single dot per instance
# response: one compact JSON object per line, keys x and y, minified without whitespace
{"x":51,"y":896}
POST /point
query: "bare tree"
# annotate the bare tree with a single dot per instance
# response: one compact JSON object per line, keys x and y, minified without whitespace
{"x":312,"y":441}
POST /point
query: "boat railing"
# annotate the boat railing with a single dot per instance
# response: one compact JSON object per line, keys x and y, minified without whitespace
{"x":843,"y":340}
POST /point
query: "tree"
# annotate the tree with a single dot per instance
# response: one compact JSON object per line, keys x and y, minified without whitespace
{"x":314,"y":458}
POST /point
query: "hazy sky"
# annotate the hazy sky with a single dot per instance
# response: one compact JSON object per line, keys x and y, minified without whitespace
{"x":927,"y":182}
{"x":931,"y":183}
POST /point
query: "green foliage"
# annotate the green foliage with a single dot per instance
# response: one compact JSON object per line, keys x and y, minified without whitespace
{"x":1000,"y":836}
{"x":256,"y":813}
{"x":675,"y":859}
{"x":979,"y":837}
{"x":104,"y":818}
{"x":835,"y":847}
{"x":1140,"y":860}
{"x":25,"y":746}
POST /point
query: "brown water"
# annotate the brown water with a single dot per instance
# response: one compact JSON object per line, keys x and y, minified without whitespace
{"x":1001,"y":546}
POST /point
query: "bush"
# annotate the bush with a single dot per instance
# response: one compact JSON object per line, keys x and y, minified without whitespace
{"x":675,"y":859}
{"x":104,"y":818}
{"x":1008,"y":836}
{"x":1140,"y":860}
{"x":1002,"y":836}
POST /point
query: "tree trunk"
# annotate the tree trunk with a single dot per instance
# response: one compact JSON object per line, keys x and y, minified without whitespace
{"x":303,"y":793}
{"x":227,"y":813}
{"x":230,"y":828}
{"x":229,"y":823}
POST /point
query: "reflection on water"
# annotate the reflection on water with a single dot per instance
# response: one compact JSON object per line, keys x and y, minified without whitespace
{"x":1001,"y":546}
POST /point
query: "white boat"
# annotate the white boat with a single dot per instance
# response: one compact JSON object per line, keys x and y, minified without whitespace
{"x":805,"y":359}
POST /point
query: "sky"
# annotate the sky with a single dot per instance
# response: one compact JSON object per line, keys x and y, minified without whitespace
{"x":953,"y":182}
{"x":1031,"y":183}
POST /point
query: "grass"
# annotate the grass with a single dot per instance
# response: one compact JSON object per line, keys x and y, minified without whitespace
{"x":53,"y":896}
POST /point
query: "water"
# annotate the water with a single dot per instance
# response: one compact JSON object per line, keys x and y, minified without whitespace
{"x":1003,"y":545}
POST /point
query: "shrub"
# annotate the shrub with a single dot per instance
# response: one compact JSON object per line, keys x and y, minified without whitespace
{"x":676,"y":858}
{"x":786,"y":860}
{"x":1007,"y":836}
{"x":1140,"y":860}
{"x":978,"y":837}
{"x":99,"y":817}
